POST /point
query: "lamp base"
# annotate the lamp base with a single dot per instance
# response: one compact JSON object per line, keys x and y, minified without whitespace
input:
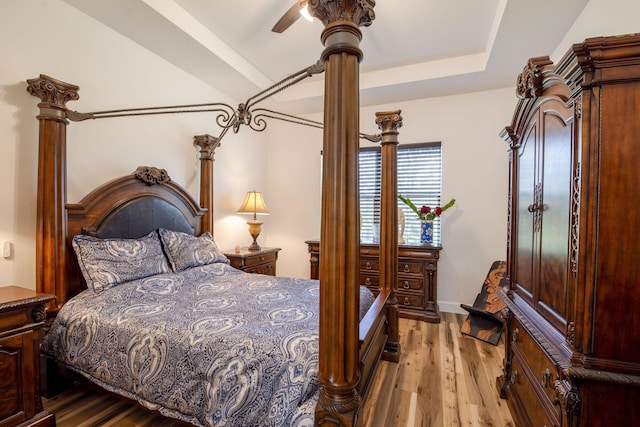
{"x":254,"y":246}
{"x":254,"y":230}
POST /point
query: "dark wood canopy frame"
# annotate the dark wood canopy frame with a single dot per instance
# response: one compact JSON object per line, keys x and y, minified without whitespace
{"x":349,"y":348}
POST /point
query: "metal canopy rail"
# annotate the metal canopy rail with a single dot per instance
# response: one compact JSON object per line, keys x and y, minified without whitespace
{"x":227,"y":116}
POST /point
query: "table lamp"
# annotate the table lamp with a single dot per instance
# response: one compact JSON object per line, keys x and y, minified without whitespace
{"x":254,"y":204}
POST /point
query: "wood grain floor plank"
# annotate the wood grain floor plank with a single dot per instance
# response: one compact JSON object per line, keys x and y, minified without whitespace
{"x":443,"y":379}
{"x":450,"y":413}
{"x":376,"y":409}
{"x":491,"y":358}
{"x":430,"y":384}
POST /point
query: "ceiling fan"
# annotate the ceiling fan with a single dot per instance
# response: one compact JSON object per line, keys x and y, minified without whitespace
{"x":290,"y":16}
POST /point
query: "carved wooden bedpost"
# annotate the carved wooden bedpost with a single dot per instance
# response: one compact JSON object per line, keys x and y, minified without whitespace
{"x":208,"y":145}
{"x":51,"y":225}
{"x":339,"y":369}
{"x":388,"y":123}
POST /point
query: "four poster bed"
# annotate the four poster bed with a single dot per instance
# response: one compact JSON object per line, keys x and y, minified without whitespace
{"x":137,"y":276}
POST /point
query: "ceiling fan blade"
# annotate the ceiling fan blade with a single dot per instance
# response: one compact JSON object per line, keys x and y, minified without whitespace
{"x":288,"y":18}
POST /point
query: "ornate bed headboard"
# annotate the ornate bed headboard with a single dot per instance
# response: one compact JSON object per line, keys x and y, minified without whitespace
{"x":129,"y":207}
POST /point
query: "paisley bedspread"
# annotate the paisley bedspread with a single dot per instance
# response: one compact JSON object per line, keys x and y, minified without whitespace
{"x":210,"y":345}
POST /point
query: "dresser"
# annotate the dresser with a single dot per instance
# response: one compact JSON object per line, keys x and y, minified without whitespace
{"x":573,"y":348}
{"x":22,"y":315}
{"x":260,"y":262}
{"x":417,"y":276}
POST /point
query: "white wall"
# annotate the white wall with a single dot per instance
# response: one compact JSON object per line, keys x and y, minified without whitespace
{"x":50,"y":37}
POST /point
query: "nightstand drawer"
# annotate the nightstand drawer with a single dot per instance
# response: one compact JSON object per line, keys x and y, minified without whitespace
{"x":260,"y":262}
{"x":13,"y":319}
{"x":22,"y":316}
{"x":258,"y":259}
{"x":268,"y":269}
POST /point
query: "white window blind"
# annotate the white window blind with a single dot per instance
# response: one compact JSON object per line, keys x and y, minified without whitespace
{"x":419,"y":178}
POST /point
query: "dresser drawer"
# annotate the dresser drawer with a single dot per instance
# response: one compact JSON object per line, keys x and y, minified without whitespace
{"x":411,"y":301}
{"x":526,"y":393}
{"x":415,"y":284}
{"x":371,"y":281}
{"x":371,"y":265}
{"x":407,"y":266}
{"x":542,"y":370}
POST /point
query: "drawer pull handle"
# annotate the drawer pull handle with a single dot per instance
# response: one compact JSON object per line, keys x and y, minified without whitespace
{"x":514,"y":377}
{"x":405,"y":284}
{"x":367,"y":281}
{"x":406,"y":268}
{"x":368,"y":266}
{"x":261,"y":258}
{"x":514,"y":335}
{"x":406,"y":301}
{"x":546,"y":376}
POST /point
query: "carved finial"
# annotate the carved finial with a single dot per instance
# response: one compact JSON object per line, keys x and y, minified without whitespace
{"x":359,"y":12}
{"x":389,"y":120}
{"x":53,"y":91}
{"x":150,"y":175}
{"x":529,"y":84}
{"x":342,"y":19}
{"x":207,"y":144}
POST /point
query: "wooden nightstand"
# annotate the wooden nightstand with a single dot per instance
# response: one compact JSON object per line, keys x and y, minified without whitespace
{"x":22,"y":314}
{"x":261,"y":262}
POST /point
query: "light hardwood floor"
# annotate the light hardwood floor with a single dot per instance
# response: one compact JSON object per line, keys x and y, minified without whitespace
{"x":443,"y":379}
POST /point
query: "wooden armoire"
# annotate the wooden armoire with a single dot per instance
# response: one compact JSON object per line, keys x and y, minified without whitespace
{"x":573,"y":329}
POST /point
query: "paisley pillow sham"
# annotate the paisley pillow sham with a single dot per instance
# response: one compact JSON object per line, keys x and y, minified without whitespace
{"x":186,"y":251}
{"x":106,"y":263}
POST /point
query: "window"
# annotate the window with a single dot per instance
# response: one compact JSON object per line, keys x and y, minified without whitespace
{"x":419,"y":178}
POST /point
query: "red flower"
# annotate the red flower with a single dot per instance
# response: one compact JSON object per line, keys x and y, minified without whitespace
{"x":426,"y":213}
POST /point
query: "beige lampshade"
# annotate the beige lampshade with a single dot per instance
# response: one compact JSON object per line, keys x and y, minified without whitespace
{"x":254,"y":204}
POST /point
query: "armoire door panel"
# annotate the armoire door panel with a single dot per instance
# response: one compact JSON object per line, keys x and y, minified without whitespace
{"x":524,"y":273}
{"x":556,"y":170}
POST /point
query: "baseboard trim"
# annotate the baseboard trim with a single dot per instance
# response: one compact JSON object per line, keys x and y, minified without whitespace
{"x":451,"y":307}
